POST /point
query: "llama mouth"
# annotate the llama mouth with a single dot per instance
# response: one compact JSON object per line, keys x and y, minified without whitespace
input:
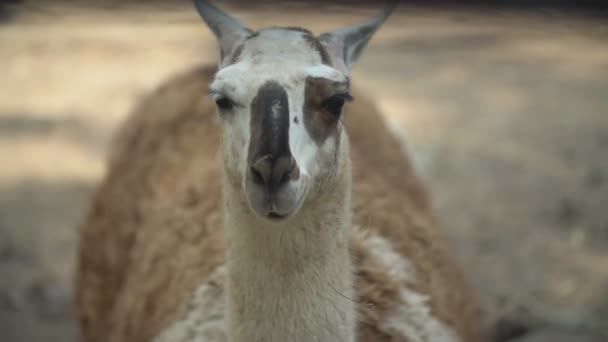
{"x":275,"y":217}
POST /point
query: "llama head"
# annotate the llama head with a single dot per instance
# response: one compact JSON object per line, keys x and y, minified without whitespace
{"x":280,"y":93}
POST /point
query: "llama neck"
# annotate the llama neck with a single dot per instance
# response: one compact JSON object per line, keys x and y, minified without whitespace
{"x":290,"y":282}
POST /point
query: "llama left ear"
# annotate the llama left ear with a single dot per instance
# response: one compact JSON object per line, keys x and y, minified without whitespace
{"x":345,"y":46}
{"x":228,"y":31}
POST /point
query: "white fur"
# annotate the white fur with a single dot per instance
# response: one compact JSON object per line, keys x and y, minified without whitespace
{"x":291,"y":61}
{"x":203,"y":319}
{"x":400,"y":268}
{"x":412,"y":320}
{"x":291,"y":282}
{"x":314,"y":304}
{"x":325,"y":71}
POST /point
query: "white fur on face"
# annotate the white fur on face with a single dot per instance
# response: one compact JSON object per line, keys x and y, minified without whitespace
{"x":285,"y":57}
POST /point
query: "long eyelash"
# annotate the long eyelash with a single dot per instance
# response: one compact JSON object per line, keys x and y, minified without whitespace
{"x":346,"y":96}
{"x":214,"y":95}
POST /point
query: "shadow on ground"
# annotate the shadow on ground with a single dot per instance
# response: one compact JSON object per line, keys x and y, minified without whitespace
{"x":37,"y":232}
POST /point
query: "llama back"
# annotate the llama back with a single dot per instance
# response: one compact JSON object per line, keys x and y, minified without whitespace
{"x":153,"y":233}
{"x":153,"y":230}
{"x":409,"y":283}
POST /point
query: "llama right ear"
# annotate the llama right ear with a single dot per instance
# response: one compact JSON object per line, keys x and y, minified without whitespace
{"x":345,"y":46}
{"x":228,"y":31}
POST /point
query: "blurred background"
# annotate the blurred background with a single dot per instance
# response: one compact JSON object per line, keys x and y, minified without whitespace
{"x":503,"y":105}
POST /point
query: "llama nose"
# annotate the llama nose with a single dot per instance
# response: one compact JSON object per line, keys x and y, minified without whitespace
{"x":272,"y":172}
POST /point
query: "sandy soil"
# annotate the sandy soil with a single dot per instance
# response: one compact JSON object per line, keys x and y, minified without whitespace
{"x":505,"y":112}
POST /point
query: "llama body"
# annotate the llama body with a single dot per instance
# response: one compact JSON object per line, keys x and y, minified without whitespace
{"x":178,"y":246}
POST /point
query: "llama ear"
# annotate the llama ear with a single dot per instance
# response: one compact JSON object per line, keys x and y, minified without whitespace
{"x":345,"y":45}
{"x":228,"y":31}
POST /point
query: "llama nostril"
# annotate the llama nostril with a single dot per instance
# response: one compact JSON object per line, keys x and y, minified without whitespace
{"x":272,"y":173}
{"x":284,"y":178}
{"x":257,"y":176}
{"x":261,"y":170}
{"x":282,"y":169}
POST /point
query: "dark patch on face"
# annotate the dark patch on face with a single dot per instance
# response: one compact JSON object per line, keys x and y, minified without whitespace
{"x":253,"y":35}
{"x":269,"y":122}
{"x":295,"y":120}
{"x":319,"y":123}
{"x":299,"y":29}
{"x":316,"y":44}
{"x":307,"y":35}
{"x":236,"y":54}
{"x":238,"y":50}
{"x":312,"y":40}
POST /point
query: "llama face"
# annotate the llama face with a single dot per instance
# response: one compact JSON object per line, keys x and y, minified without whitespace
{"x":280,"y":93}
{"x":280,"y":105}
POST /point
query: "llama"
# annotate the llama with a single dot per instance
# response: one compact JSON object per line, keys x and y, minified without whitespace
{"x":269,"y":210}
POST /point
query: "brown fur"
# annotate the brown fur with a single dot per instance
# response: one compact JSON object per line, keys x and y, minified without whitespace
{"x":389,"y":199}
{"x":316,"y":44}
{"x":236,"y":54}
{"x":319,"y":123}
{"x":153,"y":232}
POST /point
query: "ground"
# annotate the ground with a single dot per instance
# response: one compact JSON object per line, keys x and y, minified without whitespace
{"x":505,"y":113}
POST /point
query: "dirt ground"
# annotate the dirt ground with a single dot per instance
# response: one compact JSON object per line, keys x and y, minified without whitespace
{"x":505,"y":113}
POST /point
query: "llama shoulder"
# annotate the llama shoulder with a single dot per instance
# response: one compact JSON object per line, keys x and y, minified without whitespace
{"x":392,"y":206}
{"x":150,"y":216}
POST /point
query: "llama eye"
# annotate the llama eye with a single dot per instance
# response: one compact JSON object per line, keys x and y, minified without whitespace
{"x":335,"y":103}
{"x":224,"y":103}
